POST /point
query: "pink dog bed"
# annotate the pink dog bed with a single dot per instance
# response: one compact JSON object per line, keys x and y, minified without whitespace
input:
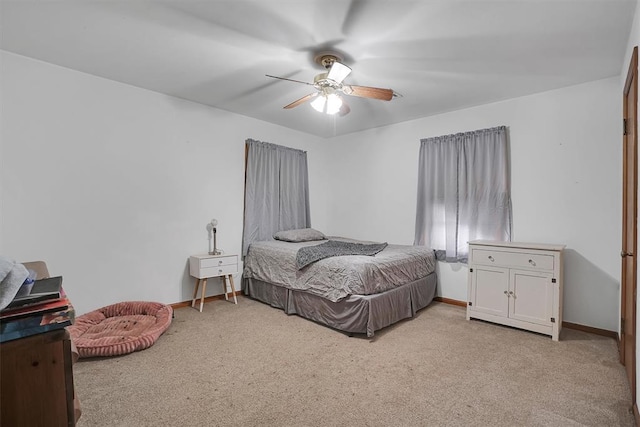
{"x":120,"y":328}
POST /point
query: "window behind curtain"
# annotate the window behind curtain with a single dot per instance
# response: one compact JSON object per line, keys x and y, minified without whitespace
{"x":463,"y":192}
{"x":276,"y":195}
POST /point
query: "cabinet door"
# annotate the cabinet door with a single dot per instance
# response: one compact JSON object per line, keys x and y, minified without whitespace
{"x":531,"y":297}
{"x":489,"y":287}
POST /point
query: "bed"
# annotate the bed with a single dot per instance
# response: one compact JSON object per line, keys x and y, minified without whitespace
{"x":357,"y":294}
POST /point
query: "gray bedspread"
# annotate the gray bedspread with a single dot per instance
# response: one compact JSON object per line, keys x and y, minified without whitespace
{"x":338,"y":277}
{"x":308,"y":254}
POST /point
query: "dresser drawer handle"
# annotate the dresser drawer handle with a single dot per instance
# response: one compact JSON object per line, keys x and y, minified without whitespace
{"x":219,"y":262}
{"x":532,"y":262}
{"x":220,"y":271}
{"x":491,"y":258}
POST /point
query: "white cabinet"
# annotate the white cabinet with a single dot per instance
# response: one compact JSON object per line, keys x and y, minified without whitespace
{"x":516,"y":284}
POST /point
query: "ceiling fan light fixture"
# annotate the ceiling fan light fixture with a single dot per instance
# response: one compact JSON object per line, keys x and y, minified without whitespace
{"x":334,"y":102}
{"x":327,"y":103}
{"x":338,"y":72}
{"x":319,"y":103}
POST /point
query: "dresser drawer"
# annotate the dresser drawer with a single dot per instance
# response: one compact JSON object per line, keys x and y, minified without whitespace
{"x":222,"y":270}
{"x":219,"y":261}
{"x":512,"y":259}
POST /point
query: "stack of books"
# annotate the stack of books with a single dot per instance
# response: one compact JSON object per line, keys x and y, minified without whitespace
{"x":44,"y":308}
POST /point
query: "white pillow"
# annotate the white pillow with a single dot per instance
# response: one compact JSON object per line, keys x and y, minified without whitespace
{"x":299,"y":235}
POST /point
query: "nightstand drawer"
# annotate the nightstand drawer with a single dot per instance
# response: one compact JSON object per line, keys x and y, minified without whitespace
{"x":219,"y":261}
{"x":512,"y":259}
{"x":222,"y":270}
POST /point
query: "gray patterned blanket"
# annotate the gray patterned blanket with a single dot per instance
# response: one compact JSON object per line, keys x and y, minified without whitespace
{"x":310,"y":254}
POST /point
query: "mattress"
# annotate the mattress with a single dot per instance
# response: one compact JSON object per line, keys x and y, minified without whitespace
{"x":338,"y":277}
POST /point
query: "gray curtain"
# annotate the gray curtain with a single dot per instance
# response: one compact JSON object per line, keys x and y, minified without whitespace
{"x":276,"y":191}
{"x":463,"y":192}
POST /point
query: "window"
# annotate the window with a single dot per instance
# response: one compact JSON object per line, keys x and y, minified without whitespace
{"x":463,"y":192}
{"x":276,"y":194}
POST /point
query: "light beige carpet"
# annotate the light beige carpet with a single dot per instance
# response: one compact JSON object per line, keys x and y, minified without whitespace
{"x":252,"y":365}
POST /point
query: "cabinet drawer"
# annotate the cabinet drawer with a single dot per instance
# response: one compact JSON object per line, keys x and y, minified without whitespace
{"x":512,"y":259}
{"x":219,"y":261}
{"x":222,"y":270}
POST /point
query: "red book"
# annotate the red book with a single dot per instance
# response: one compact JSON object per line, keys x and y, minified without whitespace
{"x":28,"y":310}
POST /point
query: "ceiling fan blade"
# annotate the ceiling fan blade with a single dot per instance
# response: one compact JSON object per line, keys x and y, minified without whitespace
{"x":290,"y":80}
{"x":369,"y":92}
{"x":344,"y":109}
{"x":301,"y":100}
{"x":338,"y":72}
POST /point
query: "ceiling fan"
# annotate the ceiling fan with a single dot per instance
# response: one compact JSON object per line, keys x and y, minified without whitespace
{"x":329,"y":87}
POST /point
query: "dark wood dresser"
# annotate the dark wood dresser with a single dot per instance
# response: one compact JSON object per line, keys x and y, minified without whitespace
{"x":37,"y":381}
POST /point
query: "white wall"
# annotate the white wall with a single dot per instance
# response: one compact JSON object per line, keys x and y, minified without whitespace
{"x":113,"y":185}
{"x":566,"y":186}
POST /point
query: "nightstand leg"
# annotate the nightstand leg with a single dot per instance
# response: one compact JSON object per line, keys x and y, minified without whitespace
{"x":204,"y":288}
{"x":224,"y":286}
{"x":195,"y":293}
{"x":233,"y":289}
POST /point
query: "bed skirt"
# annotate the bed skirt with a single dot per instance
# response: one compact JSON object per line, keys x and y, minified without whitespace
{"x":357,"y":314}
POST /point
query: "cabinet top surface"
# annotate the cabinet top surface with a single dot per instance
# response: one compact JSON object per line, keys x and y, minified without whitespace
{"x":206,"y":256}
{"x":519,"y":245}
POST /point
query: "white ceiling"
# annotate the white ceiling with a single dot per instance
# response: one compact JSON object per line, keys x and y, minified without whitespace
{"x":440,"y":55}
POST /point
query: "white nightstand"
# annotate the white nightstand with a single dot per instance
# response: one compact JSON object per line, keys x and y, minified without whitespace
{"x":205,"y":266}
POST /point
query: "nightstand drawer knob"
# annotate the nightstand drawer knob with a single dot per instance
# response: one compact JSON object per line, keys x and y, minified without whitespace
{"x":491,"y":258}
{"x":220,"y":271}
{"x":219,"y":262}
{"x":532,"y":262}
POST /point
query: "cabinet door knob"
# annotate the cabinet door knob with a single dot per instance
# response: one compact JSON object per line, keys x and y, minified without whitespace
{"x":532,"y":262}
{"x":506,"y":293}
{"x":491,"y":258}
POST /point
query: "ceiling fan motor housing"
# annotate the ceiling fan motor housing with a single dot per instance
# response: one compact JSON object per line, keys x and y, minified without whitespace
{"x":326,"y":59}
